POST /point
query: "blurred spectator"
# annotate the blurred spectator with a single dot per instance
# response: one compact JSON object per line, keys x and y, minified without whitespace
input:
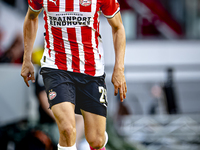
{"x":169,"y":90}
{"x":156,"y":104}
{"x":35,"y":140}
{"x":131,"y":106}
{"x":14,"y":54}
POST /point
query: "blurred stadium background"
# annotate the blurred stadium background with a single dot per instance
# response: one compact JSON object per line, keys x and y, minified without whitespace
{"x":162,"y":68}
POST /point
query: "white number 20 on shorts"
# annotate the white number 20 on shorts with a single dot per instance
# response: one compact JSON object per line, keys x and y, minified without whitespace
{"x":103,"y":98}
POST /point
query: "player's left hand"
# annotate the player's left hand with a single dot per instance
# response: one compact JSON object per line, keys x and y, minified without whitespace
{"x":27,"y":72}
{"x":119,"y":82}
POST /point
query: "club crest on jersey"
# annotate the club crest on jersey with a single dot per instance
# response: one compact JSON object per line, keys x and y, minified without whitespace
{"x":52,"y":95}
{"x":85,"y":2}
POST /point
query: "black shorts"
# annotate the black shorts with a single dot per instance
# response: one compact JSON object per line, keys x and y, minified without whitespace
{"x":85,"y":92}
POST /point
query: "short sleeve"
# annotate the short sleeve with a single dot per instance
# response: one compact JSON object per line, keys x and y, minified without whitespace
{"x":110,"y":8}
{"x":35,"y":5}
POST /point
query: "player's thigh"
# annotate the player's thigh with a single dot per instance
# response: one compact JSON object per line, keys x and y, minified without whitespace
{"x":95,"y":125}
{"x":64,"y":114}
{"x":91,"y":96}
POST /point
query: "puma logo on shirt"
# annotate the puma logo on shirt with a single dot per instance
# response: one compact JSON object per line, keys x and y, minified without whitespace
{"x":54,"y":1}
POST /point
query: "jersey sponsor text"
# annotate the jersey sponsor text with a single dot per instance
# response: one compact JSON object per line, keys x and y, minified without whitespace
{"x":70,"y":19}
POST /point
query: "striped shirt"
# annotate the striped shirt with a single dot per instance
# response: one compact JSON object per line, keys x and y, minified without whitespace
{"x":72,"y":38}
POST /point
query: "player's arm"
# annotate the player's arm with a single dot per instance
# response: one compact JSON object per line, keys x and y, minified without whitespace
{"x":29,"y":31}
{"x":119,"y":40}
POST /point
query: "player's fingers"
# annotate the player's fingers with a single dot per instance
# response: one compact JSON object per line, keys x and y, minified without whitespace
{"x":124,"y":95}
{"x":25,"y":77}
{"x":121,"y":93}
{"x":125,"y":87}
{"x":32,"y":77}
{"x":116,"y":90}
{"x":124,"y":92}
{"x":26,"y":81}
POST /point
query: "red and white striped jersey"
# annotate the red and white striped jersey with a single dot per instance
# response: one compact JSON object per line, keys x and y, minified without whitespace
{"x":72,"y":38}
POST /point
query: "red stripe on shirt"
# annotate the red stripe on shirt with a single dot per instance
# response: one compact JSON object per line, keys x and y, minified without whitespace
{"x":60,"y":56}
{"x":69,"y":5}
{"x":53,"y":6}
{"x":47,"y":33}
{"x":74,"y":49}
{"x":86,"y":34}
{"x":96,"y":27}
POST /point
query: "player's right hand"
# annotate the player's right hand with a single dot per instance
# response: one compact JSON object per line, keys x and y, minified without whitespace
{"x":27,"y":72}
